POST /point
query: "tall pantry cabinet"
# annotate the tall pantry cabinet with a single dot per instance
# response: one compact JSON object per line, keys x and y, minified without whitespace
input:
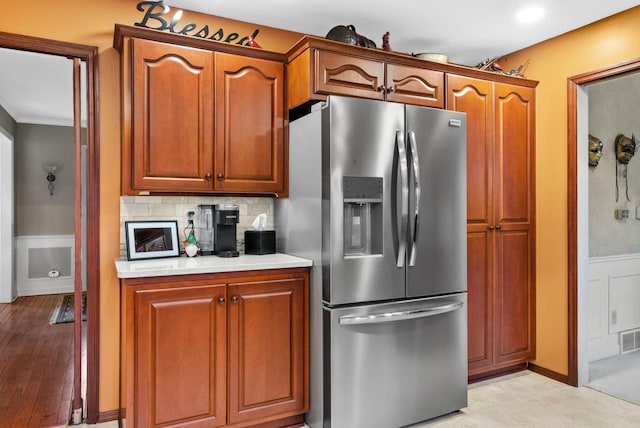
{"x":500,"y":221}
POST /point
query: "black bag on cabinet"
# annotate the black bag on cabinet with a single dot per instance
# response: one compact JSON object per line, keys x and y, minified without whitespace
{"x":347,"y":34}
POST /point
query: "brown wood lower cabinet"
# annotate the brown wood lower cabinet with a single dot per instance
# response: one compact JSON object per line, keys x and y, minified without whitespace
{"x":217,"y":349}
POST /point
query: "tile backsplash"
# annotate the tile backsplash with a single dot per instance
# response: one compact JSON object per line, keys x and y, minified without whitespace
{"x":178,"y":207}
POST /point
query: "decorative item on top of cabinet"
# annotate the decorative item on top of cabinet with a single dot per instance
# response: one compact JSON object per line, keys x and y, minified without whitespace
{"x":347,"y":34}
{"x":500,"y":221}
{"x":386,"y":46}
{"x":200,"y":116}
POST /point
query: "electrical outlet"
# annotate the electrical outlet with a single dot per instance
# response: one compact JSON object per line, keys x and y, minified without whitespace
{"x":614,"y":317}
{"x":622,"y":214}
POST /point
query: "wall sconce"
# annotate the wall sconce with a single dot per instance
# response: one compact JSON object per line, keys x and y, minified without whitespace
{"x":51,"y":176}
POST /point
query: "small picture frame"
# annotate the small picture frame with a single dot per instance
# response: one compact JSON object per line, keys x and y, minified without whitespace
{"x":152,"y":239}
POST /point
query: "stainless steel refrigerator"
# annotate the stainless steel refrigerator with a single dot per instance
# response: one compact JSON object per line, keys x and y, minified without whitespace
{"x":377,"y":199}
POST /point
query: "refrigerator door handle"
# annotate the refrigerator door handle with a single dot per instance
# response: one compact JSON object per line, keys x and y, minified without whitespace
{"x":416,"y":189}
{"x":404,"y":198}
{"x":398,"y":316}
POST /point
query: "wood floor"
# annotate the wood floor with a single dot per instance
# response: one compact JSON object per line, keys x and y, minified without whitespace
{"x":36,"y":364}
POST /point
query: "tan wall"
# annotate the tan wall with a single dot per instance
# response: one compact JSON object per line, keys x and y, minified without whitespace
{"x":599,"y":45}
{"x":92,"y":23}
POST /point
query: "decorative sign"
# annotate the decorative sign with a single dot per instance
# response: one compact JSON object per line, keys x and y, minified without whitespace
{"x":156,"y":17}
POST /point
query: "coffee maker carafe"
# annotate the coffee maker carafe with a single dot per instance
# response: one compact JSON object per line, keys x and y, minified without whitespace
{"x":204,"y":232}
{"x":225,"y":218}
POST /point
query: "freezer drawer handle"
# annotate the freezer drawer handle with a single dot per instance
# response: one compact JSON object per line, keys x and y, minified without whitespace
{"x":398,"y":316}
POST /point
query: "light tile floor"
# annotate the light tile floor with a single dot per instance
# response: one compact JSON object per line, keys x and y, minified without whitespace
{"x":528,"y":400}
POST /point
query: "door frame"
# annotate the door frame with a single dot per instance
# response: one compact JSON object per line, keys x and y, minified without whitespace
{"x":88,"y":54}
{"x":573,"y":225}
{"x":7,"y":241}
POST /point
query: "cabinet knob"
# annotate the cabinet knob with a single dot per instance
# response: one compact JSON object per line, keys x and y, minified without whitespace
{"x":498,"y":227}
{"x":220,"y":177}
{"x":234,"y":299}
{"x":491,"y":227}
{"x":208,"y":176}
{"x":221,"y":300}
{"x":390,"y":89}
{"x":381,"y":88}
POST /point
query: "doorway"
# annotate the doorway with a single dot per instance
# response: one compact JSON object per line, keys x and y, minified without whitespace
{"x":88,"y":55}
{"x":578,"y":219}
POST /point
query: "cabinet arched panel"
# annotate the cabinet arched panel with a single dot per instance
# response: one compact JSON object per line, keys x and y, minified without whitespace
{"x":415,"y":86}
{"x":474,"y":97}
{"x":171,"y":85}
{"x":514,"y":131}
{"x":352,"y":76}
{"x":249,"y":141}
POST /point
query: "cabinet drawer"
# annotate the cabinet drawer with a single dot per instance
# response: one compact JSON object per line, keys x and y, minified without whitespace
{"x":341,"y":74}
{"x":416,"y":86}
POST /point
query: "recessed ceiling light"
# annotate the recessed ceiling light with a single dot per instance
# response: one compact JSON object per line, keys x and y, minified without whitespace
{"x":530,"y":14}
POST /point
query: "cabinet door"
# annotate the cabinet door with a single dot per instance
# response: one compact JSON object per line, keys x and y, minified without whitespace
{"x":474,"y":97}
{"x":515,"y":211}
{"x":171,"y":118}
{"x":416,"y":86}
{"x":341,"y":74}
{"x":267,"y":349}
{"x":250,"y":147}
{"x":179,"y":344}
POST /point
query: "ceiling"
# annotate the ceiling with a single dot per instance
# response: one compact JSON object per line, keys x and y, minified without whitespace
{"x":468,"y":31}
{"x":37,"y":88}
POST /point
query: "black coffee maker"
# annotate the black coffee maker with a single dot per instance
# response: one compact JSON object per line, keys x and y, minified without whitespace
{"x":225,"y":218}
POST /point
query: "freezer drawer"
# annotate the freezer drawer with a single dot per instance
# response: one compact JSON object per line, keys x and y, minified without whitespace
{"x":395,"y":364}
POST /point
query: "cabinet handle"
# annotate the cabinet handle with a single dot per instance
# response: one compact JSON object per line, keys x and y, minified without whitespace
{"x":208,"y":176}
{"x":234,"y":299}
{"x":381,"y":88}
{"x":220,"y":177}
{"x":498,"y":227}
{"x":221,"y":300}
{"x":390,"y":89}
{"x":491,"y":227}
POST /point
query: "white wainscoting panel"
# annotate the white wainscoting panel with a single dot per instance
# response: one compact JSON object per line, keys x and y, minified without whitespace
{"x":45,"y":264}
{"x":624,"y":303}
{"x":614,"y":302}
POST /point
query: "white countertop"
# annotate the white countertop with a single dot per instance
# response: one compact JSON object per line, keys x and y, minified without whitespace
{"x":206,"y":264}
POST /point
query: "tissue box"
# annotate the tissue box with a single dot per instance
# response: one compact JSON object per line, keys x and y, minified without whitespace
{"x":259,"y":241}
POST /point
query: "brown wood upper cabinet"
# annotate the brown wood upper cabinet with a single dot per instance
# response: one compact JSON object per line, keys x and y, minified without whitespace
{"x":170,"y":144}
{"x":198,"y":120}
{"x":316,"y":73}
{"x":249,"y":148}
{"x":341,"y":74}
{"x":500,"y":220}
